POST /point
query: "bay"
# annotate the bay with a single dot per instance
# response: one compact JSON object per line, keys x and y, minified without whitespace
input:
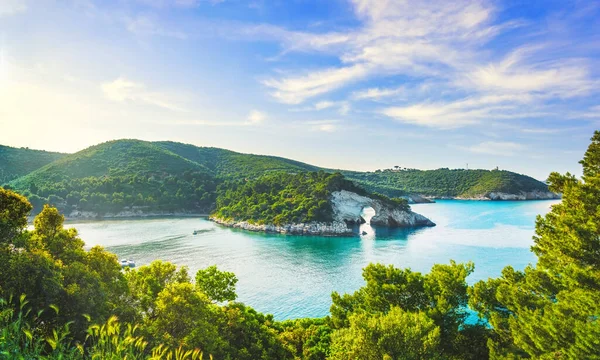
{"x":294,"y":276}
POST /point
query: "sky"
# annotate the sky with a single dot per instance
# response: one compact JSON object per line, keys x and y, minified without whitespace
{"x":349,"y":84}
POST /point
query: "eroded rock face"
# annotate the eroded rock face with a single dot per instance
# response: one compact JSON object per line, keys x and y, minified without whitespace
{"x":347,"y":207}
{"x":347,"y":210}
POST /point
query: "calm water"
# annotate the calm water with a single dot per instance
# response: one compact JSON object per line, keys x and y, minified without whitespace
{"x":293,"y":276}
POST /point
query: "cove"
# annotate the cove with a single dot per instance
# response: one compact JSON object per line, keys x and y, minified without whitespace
{"x":293,"y":276}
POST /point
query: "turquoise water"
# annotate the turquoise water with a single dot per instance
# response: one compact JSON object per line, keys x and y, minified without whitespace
{"x":293,"y":276}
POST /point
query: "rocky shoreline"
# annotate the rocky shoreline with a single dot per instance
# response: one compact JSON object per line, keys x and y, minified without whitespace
{"x":335,"y":228}
{"x":498,"y":196}
{"x":125,"y":214}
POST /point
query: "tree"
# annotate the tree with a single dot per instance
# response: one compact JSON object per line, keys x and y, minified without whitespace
{"x":441,"y":295}
{"x":398,"y":334}
{"x":14,"y":209}
{"x":551,"y":310}
{"x":146,"y":282}
{"x":218,"y":285}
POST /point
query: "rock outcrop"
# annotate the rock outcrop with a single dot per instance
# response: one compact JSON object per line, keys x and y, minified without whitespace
{"x":347,"y":210}
{"x":348,"y":206}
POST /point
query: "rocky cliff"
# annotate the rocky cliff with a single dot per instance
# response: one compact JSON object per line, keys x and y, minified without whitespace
{"x":347,"y":210}
{"x":348,"y":206}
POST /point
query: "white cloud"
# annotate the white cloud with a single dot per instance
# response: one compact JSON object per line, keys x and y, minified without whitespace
{"x":146,"y":25}
{"x":396,"y":37}
{"x":515,"y":74}
{"x":124,"y":90}
{"x":11,"y":7}
{"x":256,"y":117}
{"x":377,"y":93}
{"x":501,"y":148}
{"x":296,"y":89}
{"x":459,"y":113}
{"x":322,"y":125}
{"x":439,"y":42}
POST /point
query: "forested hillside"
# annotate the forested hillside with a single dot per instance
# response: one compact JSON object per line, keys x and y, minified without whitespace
{"x":173,"y":177}
{"x":230,"y":164}
{"x":445,"y":182}
{"x":118,"y":174}
{"x":16,"y":162}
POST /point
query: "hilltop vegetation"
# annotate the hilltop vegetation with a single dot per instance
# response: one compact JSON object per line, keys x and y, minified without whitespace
{"x":283,"y":198}
{"x":167,"y":177}
{"x":118,"y":174}
{"x":445,"y":182}
{"x":16,"y":162}
{"x":547,"y":311}
{"x":232,"y":165}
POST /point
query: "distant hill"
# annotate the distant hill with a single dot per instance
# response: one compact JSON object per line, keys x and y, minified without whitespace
{"x":16,"y":162}
{"x":119,"y":174}
{"x":446,"y":182}
{"x":166,"y":177}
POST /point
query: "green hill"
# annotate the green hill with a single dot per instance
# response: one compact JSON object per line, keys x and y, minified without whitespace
{"x":118,"y":175}
{"x":16,"y":162}
{"x":446,"y":182}
{"x":167,"y":176}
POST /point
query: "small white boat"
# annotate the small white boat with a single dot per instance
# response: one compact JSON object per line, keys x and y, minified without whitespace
{"x":127,"y":263}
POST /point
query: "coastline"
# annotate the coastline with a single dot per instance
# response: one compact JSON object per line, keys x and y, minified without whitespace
{"x":335,"y":228}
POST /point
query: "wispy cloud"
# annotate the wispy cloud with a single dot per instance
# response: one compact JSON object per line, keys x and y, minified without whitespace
{"x":256,"y":117}
{"x":444,"y":42}
{"x":124,"y":90}
{"x":377,"y":93}
{"x":147,"y":25}
{"x":500,"y":148}
{"x":322,"y":125}
{"x":11,"y":7}
{"x":297,"y":88}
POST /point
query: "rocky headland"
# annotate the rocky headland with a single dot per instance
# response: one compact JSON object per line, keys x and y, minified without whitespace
{"x":347,"y":211}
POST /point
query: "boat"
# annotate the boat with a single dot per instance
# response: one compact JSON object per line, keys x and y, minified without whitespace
{"x":127,"y":263}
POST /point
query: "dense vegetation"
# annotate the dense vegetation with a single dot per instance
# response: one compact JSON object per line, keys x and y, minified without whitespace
{"x":227,"y":164}
{"x":283,"y":198}
{"x":16,"y":162}
{"x":120,"y":175}
{"x":172,"y":177}
{"x":445,"y":182}
{"x":52,"y":290}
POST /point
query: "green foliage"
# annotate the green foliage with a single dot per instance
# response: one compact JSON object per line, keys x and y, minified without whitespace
{"x":551,"y":311}
{"x":308,"y":339}
{"x":121,"y":175}
{"x":217,"y":285}
{"x":285,"y":198}
{"x":13,"y":215}
{"x":441,"y":296}
{"x":397,"y":334}
{"x":16,"y":162}
{"x":444,"y":182}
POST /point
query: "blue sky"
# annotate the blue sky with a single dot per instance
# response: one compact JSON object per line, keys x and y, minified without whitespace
{"x":354,"y":84}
